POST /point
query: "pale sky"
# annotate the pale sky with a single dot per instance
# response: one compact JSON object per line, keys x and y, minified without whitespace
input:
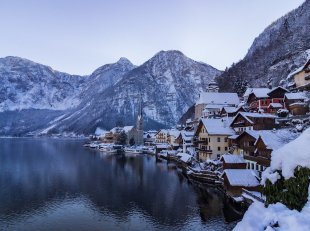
{"x":78,"y":36}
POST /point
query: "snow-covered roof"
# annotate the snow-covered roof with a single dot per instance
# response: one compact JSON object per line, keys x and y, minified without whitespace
{"x":289,"y":156}
{"x":242,"y":177}
{"x":258,"y":92}
{"x":232,"y":159}
{"x":273,"y":139}
{"x":233,"y":137}
{"x":275,"y":105}
{"x":100,"y":132}
{"x":295,"y":96}
{"x":231,"y":109}
{"x":217,"y":127}
{"x":275,"y":88}
{"x":218,"y":98}
{"x":120,"y":129}
{"x":214,"y":106}
{"x":116,"y":129}
{"x":290,"y":75}
{"x":249,"y":115}
{"x":164,"y":131}
{"x":184,"y":157}
{"x":173,"y":132}
{"x":187,"y":136}
{"x":299,"y":104}
{"x":163,"y":146}
{"x":257,"y":115}
{"x":127,"y":128}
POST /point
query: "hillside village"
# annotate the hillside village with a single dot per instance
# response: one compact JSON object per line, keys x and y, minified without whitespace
{"x":230,"y":139}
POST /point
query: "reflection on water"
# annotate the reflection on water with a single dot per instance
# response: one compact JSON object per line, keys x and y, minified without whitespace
{"x":51,"y":184}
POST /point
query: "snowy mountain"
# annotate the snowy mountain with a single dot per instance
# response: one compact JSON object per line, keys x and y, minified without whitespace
{"x":25,"y":84}
{"x":165,"y":87}
{"x":280,"y":49}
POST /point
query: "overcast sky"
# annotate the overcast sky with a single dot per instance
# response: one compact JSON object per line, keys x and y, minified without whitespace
{"x":77,"y":36}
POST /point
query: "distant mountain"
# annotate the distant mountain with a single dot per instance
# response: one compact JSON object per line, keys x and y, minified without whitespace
{"x":25,"y":84}
{"x":165,"y":87}
{"x":280,"y":49}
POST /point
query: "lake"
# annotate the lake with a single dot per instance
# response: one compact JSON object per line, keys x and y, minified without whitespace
{"x":56,"y":184}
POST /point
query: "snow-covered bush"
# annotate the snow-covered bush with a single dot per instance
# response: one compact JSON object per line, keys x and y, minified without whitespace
{"x":286,"y":185}
{"x":292,"y":192}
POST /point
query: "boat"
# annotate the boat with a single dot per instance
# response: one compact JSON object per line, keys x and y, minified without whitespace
{"x":108,"y":148}
{"x":86,"y":145}
{"x":94,"y":145}
{"x":133,"y":150}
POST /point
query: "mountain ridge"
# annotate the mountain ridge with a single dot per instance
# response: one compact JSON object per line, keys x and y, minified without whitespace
{"x":109,"y":94}
{"x":280,"y":49}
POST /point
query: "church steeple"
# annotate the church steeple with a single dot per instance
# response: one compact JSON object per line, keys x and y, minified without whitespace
{"x":139,"y":126}
{"x":140,"y":119}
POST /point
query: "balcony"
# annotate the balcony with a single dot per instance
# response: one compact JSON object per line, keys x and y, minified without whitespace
{"x":258,"y":159}
{"x":204,"y":150}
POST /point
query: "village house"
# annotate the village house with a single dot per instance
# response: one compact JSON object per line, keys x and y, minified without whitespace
{"x":256,"y":146}
{"x":265,"y":99}
{"x":256,"y":97}
{"x":185,"y":140}
{"x":245,"y":121}
{"x":107,"y":137}
{"x":211,"y":137}
{"x":149,"y":137}
{"x":161,"y":136}
{"x":296,"y":103}
{"x":276,"y":96}
{"x":233,"y":162}
{"x":243,"y":144}
{"x":172,"y":136}
{"x":301,"y":77}
{"x":231,"y":111}
{"x":190,"y":124}
{"x":237,"y":179}
{"x":211,"y":103}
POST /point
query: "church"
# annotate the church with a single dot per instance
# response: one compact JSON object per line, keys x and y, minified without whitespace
{"x":138,"y":130}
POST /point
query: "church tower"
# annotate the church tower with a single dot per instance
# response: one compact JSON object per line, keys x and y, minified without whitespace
{"x":139,"y":127}
{"x":213,"y":87}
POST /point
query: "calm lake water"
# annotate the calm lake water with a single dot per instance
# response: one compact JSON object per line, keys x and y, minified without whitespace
{"x":55,"y":184}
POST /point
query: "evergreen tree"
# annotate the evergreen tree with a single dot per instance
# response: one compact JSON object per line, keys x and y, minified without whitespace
{"x":132,"y":141}
{"x":292,"y":192}
{"x":121,"y":138}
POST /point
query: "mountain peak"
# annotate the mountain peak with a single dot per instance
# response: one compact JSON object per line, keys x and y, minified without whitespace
{"x":125,"y":61}
{"x":169,"y":53}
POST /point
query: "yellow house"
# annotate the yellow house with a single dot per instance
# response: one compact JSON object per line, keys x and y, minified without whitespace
{"x":211,"y":138}
{"x":214,"y":102}
{"x":172,"y":136}
{"x":302,"y":77}
{"x":161,"y":136}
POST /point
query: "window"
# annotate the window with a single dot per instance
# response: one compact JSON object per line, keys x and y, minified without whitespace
{"x":225,"y":139}
{"x":252,"y":165}
{"x":251,"y":143}
{"x":218,"y":139}
{"x":209,"y":148}
{"x":219,"y":148}
{"x":209,"y":139}
{"x":225,"y":148}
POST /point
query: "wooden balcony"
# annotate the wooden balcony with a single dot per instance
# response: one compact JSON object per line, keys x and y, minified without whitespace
{"x":260,"y":160}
